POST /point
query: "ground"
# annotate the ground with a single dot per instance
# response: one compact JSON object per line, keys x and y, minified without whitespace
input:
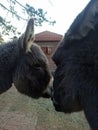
{"x":18,"y":112}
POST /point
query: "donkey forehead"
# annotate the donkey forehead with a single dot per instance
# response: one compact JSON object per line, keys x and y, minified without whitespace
{"x":36,"y":51}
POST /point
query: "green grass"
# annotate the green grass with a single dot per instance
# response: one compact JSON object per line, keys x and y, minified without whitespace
{"x":31,"y":114}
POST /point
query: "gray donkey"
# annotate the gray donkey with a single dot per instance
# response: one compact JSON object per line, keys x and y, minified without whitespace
{"x":75,"y":86}
{"x":23,"y":63}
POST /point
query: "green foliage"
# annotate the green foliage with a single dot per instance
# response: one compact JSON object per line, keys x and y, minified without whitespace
{"x":39,"y":15}
{"x":1,"y":39}
{"x":28,"y":11}
{"x":6,"y":27}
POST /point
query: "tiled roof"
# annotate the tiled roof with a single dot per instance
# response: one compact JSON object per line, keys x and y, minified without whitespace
{"x":47,"y":36}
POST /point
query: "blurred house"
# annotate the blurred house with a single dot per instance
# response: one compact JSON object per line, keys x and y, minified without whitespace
{"x":48,"y":42}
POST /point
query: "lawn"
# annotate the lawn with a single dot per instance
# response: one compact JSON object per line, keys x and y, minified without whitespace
{"x":18,"y":112}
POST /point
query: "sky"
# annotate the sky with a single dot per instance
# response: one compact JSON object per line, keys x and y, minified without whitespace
{"x":62,"y":11}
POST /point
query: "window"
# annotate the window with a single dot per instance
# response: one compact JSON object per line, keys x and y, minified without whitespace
{"x":47,"y":50}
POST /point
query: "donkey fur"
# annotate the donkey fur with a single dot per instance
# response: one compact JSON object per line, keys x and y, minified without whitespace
{"x":75,"y":84}
{"x":23,"y":63}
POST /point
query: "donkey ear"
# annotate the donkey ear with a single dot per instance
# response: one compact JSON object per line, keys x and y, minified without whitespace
{"x":28,"y":37}
{"x":84,"y":22}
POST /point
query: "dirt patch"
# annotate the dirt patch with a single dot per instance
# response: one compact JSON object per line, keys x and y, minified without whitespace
{"x":18,"y":112}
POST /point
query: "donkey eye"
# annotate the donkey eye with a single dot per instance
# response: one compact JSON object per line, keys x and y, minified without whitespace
{"x":37,"y":65}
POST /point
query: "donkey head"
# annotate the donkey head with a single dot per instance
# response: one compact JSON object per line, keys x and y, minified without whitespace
{"x":32,"y":76}
{"x":75,"y":60}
